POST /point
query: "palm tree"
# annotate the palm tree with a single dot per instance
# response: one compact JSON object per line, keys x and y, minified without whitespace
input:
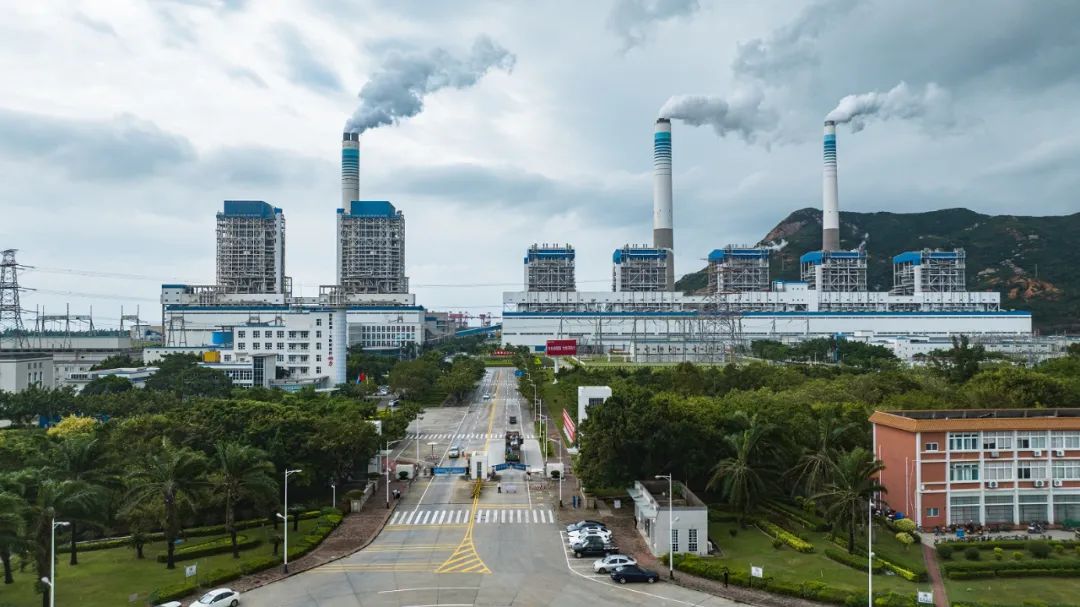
{"x":746,"y":476}
{"x":12,"y":530}
{"x":243,"y":473}
{"x":82,"y":458}
{"x":847,"y":496}
{"x":814,"y":468}
{"x":53,"y":499}
{"x":172,"y":477}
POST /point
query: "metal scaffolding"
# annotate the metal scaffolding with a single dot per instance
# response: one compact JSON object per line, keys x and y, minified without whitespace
{"x":738,"y":269}
{"x":835,"y":271}
{"x":372,"y":249}
{"x":639,"y":268}
{"x":928,"y":271}
{"x":251,"y":248}
{"x":549,"y":268}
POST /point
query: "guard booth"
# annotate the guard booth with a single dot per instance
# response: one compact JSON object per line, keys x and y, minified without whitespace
{"x":478,"y":464}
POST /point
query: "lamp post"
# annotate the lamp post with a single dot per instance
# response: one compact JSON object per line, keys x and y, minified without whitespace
{"x":670,"y":522}
{"x":418,"y":418}
{"x":562,"y":472}
{"x":870,"y":552}
{"x":51,"y":580}
{"x":333,"y":494}
{"x":285,"y":517}
{"x":543,"y":436}
{"x":386,"y":467}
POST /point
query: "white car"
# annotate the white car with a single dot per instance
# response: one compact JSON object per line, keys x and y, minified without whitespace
{"x":612,"y":562}
{"x":581,"y":536}
{"x":220,"y":597}
{"x":487,"y":397}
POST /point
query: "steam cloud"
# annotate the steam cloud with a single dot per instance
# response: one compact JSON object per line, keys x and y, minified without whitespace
{"x":742,"y":113}
{"x":398,"y":89}
{"x":900,"y":102}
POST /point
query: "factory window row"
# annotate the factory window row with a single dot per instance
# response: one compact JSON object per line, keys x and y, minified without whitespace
{"x":1063,"y":469}
{"x":1007,"y":440}
{"x":1005,"y":509}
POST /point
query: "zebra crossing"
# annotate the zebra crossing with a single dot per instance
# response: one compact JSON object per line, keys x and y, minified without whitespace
{"x":462,"y":436}
{"x":462,"y":516}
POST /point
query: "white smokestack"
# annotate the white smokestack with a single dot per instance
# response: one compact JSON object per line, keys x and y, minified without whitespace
{"x":350,"y":169}
{"x":830,"y":203}
{"x":663,"y":237}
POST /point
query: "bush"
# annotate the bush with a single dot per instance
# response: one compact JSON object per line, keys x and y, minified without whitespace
{"x":172,"y":592}
{"x":800,"y":545}
{"x":1017,"y":555}
{"x":1059,"y":549}
{"x":945,"y":551}
{"x":893,"y":599}
{"x":905,"y":538}
{"x":905,"y":525}
{"x":999,"y":554}
{"x":777,"y":543}
{"x":217,"y":577}
{"x":971,"y":554}
{"x":220,"y":545}
{"x":1039,"y":550}
{"x":259,"y":563}
{"x":853,"y":560}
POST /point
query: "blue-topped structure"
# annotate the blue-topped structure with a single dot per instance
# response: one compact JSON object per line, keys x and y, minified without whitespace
{"x":738,"y":253}
{"x":371,"y":248}
{"x":550,"y":268}
{"x":819,"y":257}
{"x":249,"y":208}
{"x":640,"y":269}
{"x":372,"y":208}
{"x":629,"y":254}
{"x":251,"y":248}
{"x":738,"y":269}
{"x":917,"y":257}
{"x":834,"y":271}
{"x":929,"y":271}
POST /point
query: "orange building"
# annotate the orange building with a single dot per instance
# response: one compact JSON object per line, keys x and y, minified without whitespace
{"x":981,"y":466}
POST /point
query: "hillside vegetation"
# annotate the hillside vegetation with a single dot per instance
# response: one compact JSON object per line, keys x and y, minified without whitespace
{"x":1031,"y":261}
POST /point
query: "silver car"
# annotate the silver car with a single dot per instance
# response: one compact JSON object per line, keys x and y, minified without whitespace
{"x":612,"y":562}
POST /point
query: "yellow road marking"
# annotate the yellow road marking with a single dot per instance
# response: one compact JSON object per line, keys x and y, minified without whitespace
{"x":411,"y":548}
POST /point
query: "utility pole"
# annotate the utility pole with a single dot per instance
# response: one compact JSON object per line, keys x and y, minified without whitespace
{"x":10,"y":310}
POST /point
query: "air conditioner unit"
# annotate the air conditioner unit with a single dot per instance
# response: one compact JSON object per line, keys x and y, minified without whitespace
{"x":1058,"y":483}
{"x":1040,"y":483}
{"x":992,"y":484}
{"x":1037,"y":453}
{"x":923,"y":488}
{"x":1059,"y":452}
{"x":995,"y":454}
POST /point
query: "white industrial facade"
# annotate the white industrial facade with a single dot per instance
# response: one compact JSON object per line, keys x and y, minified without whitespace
{"x":22,"y":370}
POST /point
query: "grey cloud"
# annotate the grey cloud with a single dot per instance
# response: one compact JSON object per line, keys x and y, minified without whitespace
{"x":302,"y":64}
{"x":790,"y":48}
{"x":246,"y":75}
{"x":101,"y":27}
{"x":398,"y":88}
{"x":118,"y":149}
{"x":634,"y":21}
{"x":260,"y":166}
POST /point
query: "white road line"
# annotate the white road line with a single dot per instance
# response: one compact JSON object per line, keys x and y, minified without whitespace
{"x":551,"y":516}
{"x":442,"y":515}
{"x":425,"y":589}
{"x":408,"y":519}
{"x":427,"y":513}
{"x":534,"y":514}
{"x":594,"y":579}
{"x":393,"y":519}
{"x":502,"y":516}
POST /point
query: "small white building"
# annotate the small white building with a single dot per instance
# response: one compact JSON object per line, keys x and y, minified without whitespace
{"x":248,"y":371}
{"x":689,"y":531}
{"x":21,"y":370}
{"x":136,"y":375}
{"x":588,"y":396}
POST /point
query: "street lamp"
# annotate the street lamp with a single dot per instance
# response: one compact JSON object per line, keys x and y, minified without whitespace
{"x":670,"y":523}
{"x":870,"y":552}
{"x":333,"y":495}
{"x":418,"y":418}
{"x":562,"y":472}
{"x":51,"y":580}
{"x":285,"y":517}
{"x":543,"y":435}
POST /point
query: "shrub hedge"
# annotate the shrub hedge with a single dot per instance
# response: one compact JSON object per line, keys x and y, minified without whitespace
{"x":798,"y":515}
{"x":1029,"y":568}
{"x":220,"y":545}
{"x":1007,"y":545}
{"x":774,"y":530}
{"x":853,"y":560}
{"x":172,"y":592}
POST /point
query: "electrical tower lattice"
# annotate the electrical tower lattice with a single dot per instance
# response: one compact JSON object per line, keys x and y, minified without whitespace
{"x":10,"y":310}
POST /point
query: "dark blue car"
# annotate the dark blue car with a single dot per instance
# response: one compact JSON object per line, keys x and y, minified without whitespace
{"x":633,"y":573}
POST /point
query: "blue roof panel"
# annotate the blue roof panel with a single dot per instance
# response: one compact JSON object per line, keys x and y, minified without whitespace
{"x":722,"y":254}
{"x":372,"y":208}
{"x":248,"y":208}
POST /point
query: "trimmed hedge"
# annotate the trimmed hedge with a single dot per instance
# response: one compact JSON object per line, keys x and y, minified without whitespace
{"x":220,"y":545}
{"x":792,"y":540}
{"x":853,"y":560}
{"x":811,"y":522}
{"x":1008,"y":545}
{"x":172,"y":592}
{"x":1026,"y":568}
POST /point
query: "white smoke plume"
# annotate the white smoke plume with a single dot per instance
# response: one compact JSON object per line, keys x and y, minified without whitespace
{"x":933,"y":103}
{"x":743,"y":113}
{"x":398,"y":89}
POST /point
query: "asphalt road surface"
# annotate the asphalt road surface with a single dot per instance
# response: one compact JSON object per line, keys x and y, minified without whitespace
{"x":444,"y":547}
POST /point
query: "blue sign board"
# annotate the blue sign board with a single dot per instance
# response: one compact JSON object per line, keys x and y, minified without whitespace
{"x":500,"y":467}
{"x":455,"y":470}
{"x":519,"y":466}
{"x":519,"y":373}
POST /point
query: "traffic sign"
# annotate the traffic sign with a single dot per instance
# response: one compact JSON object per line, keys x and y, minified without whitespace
{"x":926,"y":597}
{"x":757,"y":571}
{"x":449,"y":470}
{"x":190,"y":570}
{"x":519,"y":373}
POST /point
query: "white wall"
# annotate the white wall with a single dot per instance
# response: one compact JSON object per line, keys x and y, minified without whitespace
{"x":18,"y":374}
{"x":584,"y":394}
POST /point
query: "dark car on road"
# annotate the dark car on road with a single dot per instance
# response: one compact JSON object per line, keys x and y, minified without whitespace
{"x":633,"y":573}
{"x":593,"y":546}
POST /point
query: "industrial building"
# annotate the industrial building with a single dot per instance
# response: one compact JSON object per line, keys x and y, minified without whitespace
{"x":644,"y":319}
{"x":684,"y":529}
{"x":23,"y":370}
{"x":251,"y":248}
{"x":738,"y":269}
{"x":986,"y":467}
{"x":640,"y":268}
{"x":371,"y":248}
{"x":549,"y":268}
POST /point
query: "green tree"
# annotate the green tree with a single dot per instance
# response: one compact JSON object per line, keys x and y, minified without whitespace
{"x":847,"y":496}
{"x":746,"y":476}
{"x":172,"y":476}
{"x":959,"y":363}
{"x":53,"y":499}
{"x":243,"y":473}
{"x":12,"y":530}
{"x":107,"y":384}
{"x":816,"y":462}
{"x":82,"y":458}
{"x":414,"y":378}
{"x":181,"y":375}
{"x":117,"y":361}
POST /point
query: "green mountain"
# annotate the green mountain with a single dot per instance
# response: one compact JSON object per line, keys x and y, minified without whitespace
{"x":1034,"y":262}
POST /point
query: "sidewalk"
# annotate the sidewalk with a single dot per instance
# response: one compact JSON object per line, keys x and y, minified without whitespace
{"x":930,"y":556}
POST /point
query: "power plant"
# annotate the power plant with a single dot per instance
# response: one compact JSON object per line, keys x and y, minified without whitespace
{"x":644,"y":318}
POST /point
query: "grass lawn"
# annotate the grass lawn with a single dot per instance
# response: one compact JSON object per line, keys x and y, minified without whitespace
{"x":109,"y":577}
{"x":752,"y":547}
{"x":1014,"y":591}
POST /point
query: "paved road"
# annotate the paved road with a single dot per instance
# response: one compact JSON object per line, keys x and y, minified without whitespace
{"x":443,"y":547}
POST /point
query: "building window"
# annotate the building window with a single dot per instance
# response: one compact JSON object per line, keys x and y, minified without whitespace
{"x":280,"y":334}
{"x":1027,"y":470}
{"x":304,"y":334}
{"x":281,"y":358}
{"x":240,"y":334}
{"x":318,"y":358}
{"x":998,"y":471}
{"x":963,"y":441}
{"x":964,"y":509}
{"x":674,"y":540}
{"x":280,"y":345}
{"x":1067,"y":470}
{"x":318,"y":345}
{"x":1030,"y":440}
{"x":227,"y":357}
{"x":1065,"y":440}
{"x":964,"y":472}
{"x":691,"y":540}
{"x":1033,"y":508}
{"x":255,"y":346}
{"x":318,"y":370}
{"x":318,"y":322}
{"x":997,"y":441}
{"x":932,"y":512}
{"x":999,"y":509}
{"x":318,"y":334}
{"x":269,"y":345}
{"x":1066,"y":508}
{"x":241,"y":346}
{"x":926,"y":447}
{"x":292,"y":334}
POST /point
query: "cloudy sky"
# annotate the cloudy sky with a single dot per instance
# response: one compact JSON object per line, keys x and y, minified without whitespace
{"x":123,"y":126}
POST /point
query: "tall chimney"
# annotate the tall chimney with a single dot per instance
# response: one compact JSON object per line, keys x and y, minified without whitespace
{"x":663,"y":238}
{"x":830,"y":204}
{"x":350,"y":169}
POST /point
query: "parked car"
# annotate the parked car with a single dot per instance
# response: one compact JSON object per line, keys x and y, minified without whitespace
{"x":580,"y":524}
{"x":586,"y":529}
{"x":633,"y":573}
{"x":612,"y":562}
{"x":455,"y":451}
{"x":593,"y":547}
{"x":577,"y":536}
{"x":393,"y":403}
{"x":487,"y":397}
{"x":220,"y":597}
{"x":513,"y":419}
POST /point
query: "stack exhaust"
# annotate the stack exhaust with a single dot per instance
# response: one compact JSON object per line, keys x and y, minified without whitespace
{"x":350,"y":169}
{"x":663,"y":237}
{"x":830,"y":204}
